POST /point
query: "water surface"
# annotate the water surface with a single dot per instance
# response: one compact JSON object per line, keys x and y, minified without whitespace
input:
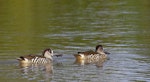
{"x":122,"y":27}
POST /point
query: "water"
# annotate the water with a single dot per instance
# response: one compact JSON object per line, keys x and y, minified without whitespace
{"x":122,"y":27}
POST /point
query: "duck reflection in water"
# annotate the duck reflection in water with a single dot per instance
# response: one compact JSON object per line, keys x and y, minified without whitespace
{"x":48,"y":67}
{"x":34,"y":71}
{"x":97,"y":57}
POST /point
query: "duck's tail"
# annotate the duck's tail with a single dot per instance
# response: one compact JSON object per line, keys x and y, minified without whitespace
{"x":21,"y":58}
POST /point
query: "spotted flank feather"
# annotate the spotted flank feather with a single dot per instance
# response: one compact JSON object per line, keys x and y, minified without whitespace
{"x":40,"y":60}
{"x":91,"y":56}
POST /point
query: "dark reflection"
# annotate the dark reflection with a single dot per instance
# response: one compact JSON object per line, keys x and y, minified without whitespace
{"x":33,"y":71}
{"x":98,"y":63}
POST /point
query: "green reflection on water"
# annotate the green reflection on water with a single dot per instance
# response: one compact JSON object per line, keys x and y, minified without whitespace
{"x":32,"y":25}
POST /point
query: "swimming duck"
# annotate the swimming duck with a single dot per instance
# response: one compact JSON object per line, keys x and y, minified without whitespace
{"x":91,"y":56}
{"x":46,"y":57}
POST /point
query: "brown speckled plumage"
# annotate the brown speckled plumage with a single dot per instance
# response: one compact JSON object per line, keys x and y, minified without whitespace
{"x":91,"y":56}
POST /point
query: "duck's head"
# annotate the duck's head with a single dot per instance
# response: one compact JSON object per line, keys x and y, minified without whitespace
{"x":99,"y":49}
{"x":48,"y":53}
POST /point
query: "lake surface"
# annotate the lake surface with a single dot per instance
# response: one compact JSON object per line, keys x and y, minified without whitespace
{"x":67,"y":27}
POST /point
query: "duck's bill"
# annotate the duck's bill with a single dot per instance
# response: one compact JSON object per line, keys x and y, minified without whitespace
{"x":57,"y":55}
{"x":106,"y":52}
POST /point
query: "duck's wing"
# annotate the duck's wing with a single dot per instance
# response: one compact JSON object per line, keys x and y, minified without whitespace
{"x":28,"y":57}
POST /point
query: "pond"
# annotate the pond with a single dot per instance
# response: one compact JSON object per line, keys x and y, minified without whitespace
{"x":68,"y":27}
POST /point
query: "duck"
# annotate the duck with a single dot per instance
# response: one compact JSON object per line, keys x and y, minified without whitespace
{"x":91,"y":56}
{"x":46,"y":57}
